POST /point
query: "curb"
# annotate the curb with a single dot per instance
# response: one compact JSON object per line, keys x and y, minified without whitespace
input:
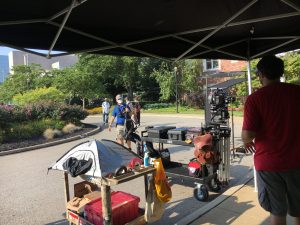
{"x":29,"y":148}
{"x":201,"y":211}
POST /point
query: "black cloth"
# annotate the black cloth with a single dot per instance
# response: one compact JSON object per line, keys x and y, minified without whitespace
{"x":77,"y":167}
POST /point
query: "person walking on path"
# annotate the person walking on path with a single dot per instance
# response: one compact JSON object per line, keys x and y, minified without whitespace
{"x":137,"y":110}
{"x":271,"y":130}
{"x":121,"y":112}
{"x":105,"y":111}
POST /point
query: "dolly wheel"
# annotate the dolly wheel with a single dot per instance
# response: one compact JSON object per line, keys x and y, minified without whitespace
{"x":201,"y":193}
{"x":214,"y":185}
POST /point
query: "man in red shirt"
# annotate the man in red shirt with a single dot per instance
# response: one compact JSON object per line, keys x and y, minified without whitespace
{"x":271,"y":128}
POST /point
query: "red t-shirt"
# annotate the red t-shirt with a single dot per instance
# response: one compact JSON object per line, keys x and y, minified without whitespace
{"x":272,"y":113}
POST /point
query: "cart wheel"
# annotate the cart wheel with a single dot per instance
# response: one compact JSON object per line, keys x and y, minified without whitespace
{"x":214,"y":185}
{"x":201,"y":193}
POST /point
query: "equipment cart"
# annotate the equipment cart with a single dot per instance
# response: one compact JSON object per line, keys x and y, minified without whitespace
{"x":102,"y":164}
{"x":214,"y":176}
{"x":105,"y":187}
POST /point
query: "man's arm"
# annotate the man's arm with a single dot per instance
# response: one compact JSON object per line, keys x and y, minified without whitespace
{"x":112,"y":118}
{"x":248,"y":137}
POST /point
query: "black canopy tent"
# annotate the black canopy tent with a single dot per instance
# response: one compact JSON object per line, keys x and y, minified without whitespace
{"x":166,"y":29}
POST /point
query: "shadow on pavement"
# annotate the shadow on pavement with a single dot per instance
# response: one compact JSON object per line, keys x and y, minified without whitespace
{"x":59,"y":222}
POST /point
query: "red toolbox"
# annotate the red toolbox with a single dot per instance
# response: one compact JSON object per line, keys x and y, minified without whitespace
{"x":125,"y":208}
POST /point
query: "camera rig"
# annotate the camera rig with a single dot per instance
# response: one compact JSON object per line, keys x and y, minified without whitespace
{"x":218,"y":101}
{"x":217,"y":124}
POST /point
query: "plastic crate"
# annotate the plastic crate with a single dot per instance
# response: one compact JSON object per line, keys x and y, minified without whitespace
{"x":125,"y":208}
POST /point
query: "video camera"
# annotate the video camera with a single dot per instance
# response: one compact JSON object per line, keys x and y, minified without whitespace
{"x":219,"y":105}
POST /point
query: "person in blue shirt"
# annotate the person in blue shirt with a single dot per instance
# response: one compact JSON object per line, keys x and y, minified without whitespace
{"x":121,"y":112}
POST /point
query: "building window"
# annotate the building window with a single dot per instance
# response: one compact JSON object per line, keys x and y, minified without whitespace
{"x":211,"y":64}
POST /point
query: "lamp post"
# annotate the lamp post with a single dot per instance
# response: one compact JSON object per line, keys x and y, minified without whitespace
{"x":176,"y":88}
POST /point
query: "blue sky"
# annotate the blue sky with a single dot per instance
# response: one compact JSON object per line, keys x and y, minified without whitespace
{"x":5,"y":50}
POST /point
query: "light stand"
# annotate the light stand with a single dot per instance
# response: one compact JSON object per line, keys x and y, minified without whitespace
{"x":176,"y":88}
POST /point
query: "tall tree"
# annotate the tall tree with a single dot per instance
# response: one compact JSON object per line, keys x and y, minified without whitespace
{"x":80,"y":83}
{"x":23,"y":79}
{"x":292,"y":66}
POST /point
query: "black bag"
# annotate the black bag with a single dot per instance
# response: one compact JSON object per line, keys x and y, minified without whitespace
{"x":77,"y":167}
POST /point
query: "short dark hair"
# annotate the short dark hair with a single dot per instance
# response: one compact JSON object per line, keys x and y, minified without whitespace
{"x":271,"y":67}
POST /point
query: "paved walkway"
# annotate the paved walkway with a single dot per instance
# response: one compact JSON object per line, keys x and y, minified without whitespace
{"x":241,"y":208}
{"x":33,"y":183}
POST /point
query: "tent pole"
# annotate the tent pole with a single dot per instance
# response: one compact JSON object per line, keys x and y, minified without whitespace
{"x":249,"y":78}
{"x":250,"y":91}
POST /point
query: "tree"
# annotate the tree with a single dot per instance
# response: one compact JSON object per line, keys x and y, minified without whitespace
{"x":23,"y":79}
{"x":292,"y":66}
{"x":50,"y":94}
{"x":76,"y":82}
{"x":165,"y":77}
{"x":187,"y":75}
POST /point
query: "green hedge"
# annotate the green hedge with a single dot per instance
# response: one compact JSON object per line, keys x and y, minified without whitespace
{"x":27,"y":130}
{"x":157,"y":105}
{"x":39,"y":111}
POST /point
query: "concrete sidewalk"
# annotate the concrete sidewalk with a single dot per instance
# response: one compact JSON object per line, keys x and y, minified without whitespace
{"x":241,"y":208}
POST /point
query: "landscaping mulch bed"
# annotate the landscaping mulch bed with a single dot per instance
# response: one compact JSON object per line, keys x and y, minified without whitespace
{"x":41,"y":140}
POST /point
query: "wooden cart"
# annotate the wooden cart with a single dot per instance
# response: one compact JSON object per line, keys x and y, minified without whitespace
{"x":104,"y":184}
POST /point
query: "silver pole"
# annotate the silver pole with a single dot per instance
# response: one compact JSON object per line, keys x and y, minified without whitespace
{"x":176,"y":88}
{"x":250,"y":91}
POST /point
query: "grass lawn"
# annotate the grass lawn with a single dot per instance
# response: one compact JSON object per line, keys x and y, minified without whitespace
{"x":184,"y":110}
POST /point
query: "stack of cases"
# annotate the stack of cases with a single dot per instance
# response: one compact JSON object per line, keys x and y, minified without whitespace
{"x":177,"y":134}
{"x":159,"y":132}
{"x":125,"y":208}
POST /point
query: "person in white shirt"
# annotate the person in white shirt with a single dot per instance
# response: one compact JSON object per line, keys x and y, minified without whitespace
{"x":105,"y":110}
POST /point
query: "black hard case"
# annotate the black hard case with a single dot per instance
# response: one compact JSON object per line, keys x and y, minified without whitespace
{"x":177,"y":134}
{"x":159,"y":132}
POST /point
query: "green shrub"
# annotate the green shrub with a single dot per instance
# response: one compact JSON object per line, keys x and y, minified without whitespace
{"x":157,"y":105}
{"x":39,"y":95}
{"x":27,"y":130}
{"x":72,"y":114}
{"x":59,"y":125}
{"x":6,"y":116}
{"x":1,"y":136}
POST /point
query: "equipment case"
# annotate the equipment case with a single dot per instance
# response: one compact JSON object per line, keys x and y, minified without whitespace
{"x":159,"y":132}
{"x":177,"y":134}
